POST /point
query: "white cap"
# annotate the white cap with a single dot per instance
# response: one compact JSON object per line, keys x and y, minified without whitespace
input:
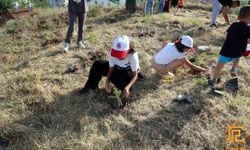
{"x":187,"y":41}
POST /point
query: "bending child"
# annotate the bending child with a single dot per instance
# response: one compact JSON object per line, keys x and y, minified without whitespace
{"x":238,"y":35}
{"x":172,"y":56}
{"x":121,"y":69}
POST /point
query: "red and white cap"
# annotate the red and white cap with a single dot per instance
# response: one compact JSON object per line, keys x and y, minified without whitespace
{"x":187,"y":41}
{"x":120,"y":47}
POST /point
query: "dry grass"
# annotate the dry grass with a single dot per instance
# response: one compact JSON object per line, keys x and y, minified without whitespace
{"x":39,"y":108}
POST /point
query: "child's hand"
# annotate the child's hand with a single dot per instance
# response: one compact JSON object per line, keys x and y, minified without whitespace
{"x":108,"y":88}
{"x":164,"y":43}
{"x":125,"y":93}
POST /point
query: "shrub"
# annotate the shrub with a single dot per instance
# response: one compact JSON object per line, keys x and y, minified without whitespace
{"x":5,"y":5}
{"x":40,"y":3}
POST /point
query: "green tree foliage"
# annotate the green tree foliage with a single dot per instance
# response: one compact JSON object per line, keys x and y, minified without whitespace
{"x":5,"y":5}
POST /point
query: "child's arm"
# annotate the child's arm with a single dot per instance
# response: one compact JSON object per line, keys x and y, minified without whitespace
{"x":125,"y":92}
{"x":192,"y":66}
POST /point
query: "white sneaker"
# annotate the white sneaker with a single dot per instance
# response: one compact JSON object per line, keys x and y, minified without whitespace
{"x":80,"y":45}
{"x":66,"y":47}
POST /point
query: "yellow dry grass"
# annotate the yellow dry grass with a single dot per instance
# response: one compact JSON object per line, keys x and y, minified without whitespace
{"x":39,"y":107}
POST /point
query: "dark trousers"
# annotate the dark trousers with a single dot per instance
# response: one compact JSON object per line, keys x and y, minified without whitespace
{"x":120,"y":78}
{"x":130,"y":6}
{"x":167,"y":6}
{"x":81,"y":22}
{"x":174,"y":3}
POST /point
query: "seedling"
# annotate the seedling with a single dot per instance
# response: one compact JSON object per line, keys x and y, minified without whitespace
{"x":147,"y":21}
{"x":201,"y":81}
{"x":92,"y":41}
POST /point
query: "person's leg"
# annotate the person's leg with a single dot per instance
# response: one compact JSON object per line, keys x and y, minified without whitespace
{"x":152,"y":7}
{"x":168,"y":3}
{"x":163,"y":69}
{"x":127,"y":5}
{"x":147,"y":10}
{"x":72,"y":17}
{"x":235,"y":65}
{"x":217,"y":70}
{"x":133,"y":6}
{"x":98,"y":70}
{"x":215,"y":11}
{"x":81,"y":23}
{"x":121,"y":78}
{"x":174,"y":3}
{"x":161,"y":6}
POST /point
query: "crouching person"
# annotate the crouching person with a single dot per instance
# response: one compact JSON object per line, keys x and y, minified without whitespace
{"x":121,"y":69}
{"x":172,"y":56}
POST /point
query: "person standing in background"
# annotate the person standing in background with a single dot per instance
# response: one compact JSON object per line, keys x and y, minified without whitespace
{"x":77,"y":9}
{"x":226,"y":5}
{"x":167,"y":6}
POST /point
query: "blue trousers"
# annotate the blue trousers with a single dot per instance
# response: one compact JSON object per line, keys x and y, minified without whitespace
{"x":215,"y":11}
{"x":81,"y":22}
{"x":161,"y":6}
{"x":149,"y":7}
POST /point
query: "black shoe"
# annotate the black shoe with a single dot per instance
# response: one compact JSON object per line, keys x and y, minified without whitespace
{"x":83,"y":90}
{"x":213,"y":83}
{"x":232,"y":84}
{"x":214,"y":26}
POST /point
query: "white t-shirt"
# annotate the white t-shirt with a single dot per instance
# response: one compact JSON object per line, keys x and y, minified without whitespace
{"x":168,"y":54}
{"x":130,"y":60}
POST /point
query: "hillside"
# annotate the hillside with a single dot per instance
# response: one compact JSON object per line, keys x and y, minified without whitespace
{"x":39,"y":107}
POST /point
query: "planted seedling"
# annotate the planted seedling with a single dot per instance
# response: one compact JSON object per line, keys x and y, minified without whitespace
{"x":92,"y":41}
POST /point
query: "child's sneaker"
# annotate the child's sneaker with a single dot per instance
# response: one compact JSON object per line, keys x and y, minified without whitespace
{"x":80,"y":45}
{"x":233,"y":73}
{"x":214,"y":26}
{"x":66,"y":47}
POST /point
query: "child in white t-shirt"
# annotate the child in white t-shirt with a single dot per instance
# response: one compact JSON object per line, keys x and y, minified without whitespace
{"x":172,"y":56}
{"x":121,"y":69}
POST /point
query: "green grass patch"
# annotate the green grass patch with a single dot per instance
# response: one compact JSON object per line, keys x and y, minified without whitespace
{"x":240,"y":101}
{"x":201,"y":81}
{"x":11,"y":26}
{"x":21,"y":42}
{"x":95,"y":11}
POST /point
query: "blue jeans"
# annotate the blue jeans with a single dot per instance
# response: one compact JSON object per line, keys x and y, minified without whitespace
{"x":215,"y":11}
{"x":149,"y":7}
{"x":81,"y":22}
{"x":161,"y":6}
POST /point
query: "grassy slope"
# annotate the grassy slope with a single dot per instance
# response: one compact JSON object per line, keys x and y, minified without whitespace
{"x":40,"y":110}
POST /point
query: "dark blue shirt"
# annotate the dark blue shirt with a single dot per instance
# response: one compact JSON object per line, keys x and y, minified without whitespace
{"x":236,"y":40}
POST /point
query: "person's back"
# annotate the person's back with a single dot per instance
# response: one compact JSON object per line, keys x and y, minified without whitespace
{"x":168,"y":54}
{"x":236,"y":40}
